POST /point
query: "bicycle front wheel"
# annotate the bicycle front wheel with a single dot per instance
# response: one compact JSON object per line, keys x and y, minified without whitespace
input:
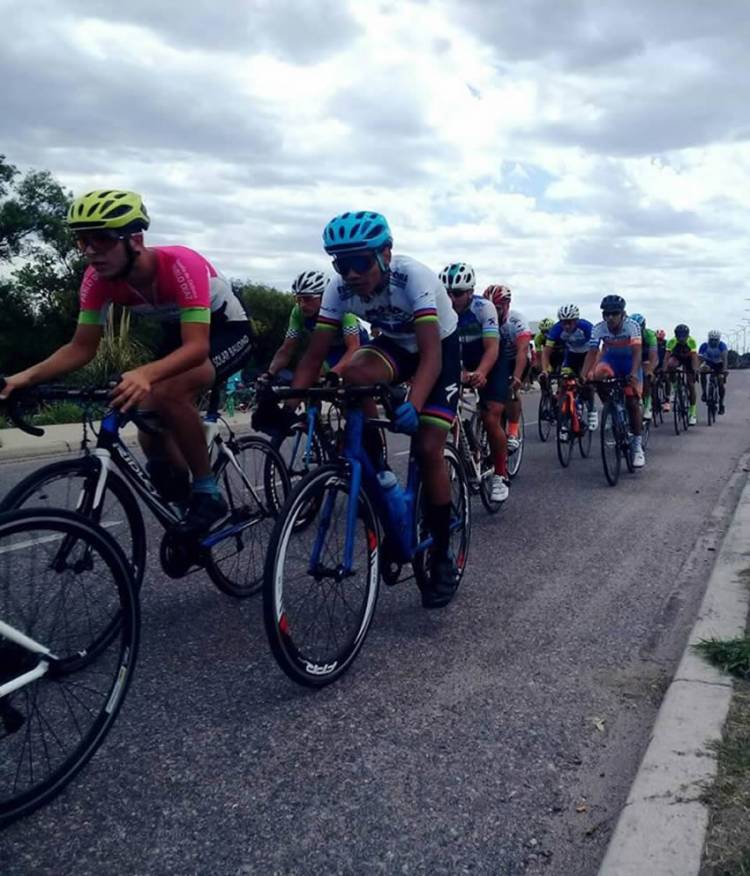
{"x":610,"y":445}
{"x":61,"y":580}
{"x":486,"y":466}
{"x":545,"y":417}
{"x":316,"y":611}
{"x":564,"y":433}
{"x":255,"y":484}
{"x":515,"y":457}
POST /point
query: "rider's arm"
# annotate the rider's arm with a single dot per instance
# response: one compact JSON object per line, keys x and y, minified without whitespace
{"x":546,"y":356}
{"x":635,"y":365}
{"x":283,"y":356}
{"x":725,"y":360}
{"x":490,"y":352}
{"x":308,"y":370}
{"x":79,"y":351}
{"x":522,"y":357}
{"x":351,"y":328}
{"x":653,"y":358}
{"x":192,"y":352}
{"x":427,"y":333}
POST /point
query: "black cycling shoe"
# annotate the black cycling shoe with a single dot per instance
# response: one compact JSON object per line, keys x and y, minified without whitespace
{"x":722,"y":409}
{"x":204,"y":510}
{"x":443,"y":583}
{"x":703,"y":396}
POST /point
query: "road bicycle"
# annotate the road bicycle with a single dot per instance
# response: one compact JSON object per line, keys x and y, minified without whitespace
{"x":680,"y":399}
{"x":572,"y":423}
{"x":712,"y":397}
{"x":615,"y":434}
{"x":470,"y":439}
{"x":61,"y":685}
{"x":106,"y":482}
{"x":323,"y":571}
{"x":547,"y":414}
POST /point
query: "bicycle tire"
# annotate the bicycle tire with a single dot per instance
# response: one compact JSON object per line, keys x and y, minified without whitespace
{"x":676,"y":409}
{"x":122,"y":519}
{"x":486,"y":466}
{"x":685,"y":410}
{"x":545,"y":416}
{"x":610,"y":447}
{"x":67,"y":712}
{"x":584,"y":441}
{"x":460,"y":517}
{"x":236,"y":563}
{"x":564,"y":433}
{"x":308,"y":662}
{"x":515,"y":458}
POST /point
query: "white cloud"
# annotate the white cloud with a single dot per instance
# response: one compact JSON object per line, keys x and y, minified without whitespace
{"x":565,"y":148}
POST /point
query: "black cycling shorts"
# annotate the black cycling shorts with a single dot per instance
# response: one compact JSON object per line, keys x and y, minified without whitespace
{"x":230,"y":345}
{"x":442,"y":402}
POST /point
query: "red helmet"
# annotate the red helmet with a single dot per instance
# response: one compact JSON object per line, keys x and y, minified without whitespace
{"x":498,"y":295}
{"x":660,"y":335}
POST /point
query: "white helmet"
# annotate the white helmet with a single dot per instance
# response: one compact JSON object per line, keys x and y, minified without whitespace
{"x":714,"y":335}
{"x":309,"y":283}
{"x":569,"y":311}
{"x":458,"y":276}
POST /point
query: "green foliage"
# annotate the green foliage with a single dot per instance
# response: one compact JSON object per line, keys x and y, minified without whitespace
{"x":269,"y":312}
{"x":118,"y":351}
{"x":730,"y":655}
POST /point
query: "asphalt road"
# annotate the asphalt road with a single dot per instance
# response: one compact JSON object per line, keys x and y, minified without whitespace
{"x":498,"y":736}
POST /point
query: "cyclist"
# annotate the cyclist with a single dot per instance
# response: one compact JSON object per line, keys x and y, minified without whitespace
{"x":418,"y":342}
{"x":714,"y":356}
{"x":515,"y":357}
{"x":480,"y":346}
{"x":682,"y":351}
{"x":308,"y":290}
{"x":661,"y":352}
{"x":649,"y":358}
{"x":540,"y":339}
{"x":615,"y":350}
{"x":206,"y":334}
{"x":574,"y":334}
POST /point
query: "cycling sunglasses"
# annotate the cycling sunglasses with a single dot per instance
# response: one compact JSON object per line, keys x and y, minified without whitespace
{"x":360,"y":263}
{"x":457,"y":293}
{"x":100,"y":241}
{"x":607,"y":313}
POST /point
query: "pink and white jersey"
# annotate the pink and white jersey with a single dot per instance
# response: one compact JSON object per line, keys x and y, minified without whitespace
{"x":514,"y":328}
{"x":187,"y":289}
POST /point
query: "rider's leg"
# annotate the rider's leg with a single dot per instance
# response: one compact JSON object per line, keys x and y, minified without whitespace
{"x":492,"y":413}
{"x":371,"y":365}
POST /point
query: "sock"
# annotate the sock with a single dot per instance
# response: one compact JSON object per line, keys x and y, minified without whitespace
{"x":637,"y":442}
{"x":206,"y":485}
{"x":438,"y":522}
{"x":691,"y":410}
{"x":513,"y":430}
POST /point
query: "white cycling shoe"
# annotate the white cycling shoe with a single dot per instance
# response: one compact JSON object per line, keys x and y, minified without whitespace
{"x":513,"y":443}
{"x":693,"y":421}
{"x":593,"y":421}
{"x":500,"y":489}
{"x":639,"y":458}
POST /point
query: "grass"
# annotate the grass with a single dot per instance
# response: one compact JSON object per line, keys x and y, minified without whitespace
{"x":727,"y":848}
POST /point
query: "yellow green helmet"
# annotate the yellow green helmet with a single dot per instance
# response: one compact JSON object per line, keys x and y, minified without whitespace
{"x":111,"y":209}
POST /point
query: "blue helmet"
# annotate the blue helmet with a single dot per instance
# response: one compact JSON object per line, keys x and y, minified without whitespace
{"x":639,"y":318}
{"x":356,"y":231}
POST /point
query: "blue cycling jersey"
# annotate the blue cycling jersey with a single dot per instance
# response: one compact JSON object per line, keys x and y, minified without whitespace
{"x":576,"y":341}
{"x":711,"y":354}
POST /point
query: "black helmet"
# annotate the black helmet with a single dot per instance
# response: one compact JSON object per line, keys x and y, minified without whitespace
{"x":612,"y":302}
{"x":681,"y":330}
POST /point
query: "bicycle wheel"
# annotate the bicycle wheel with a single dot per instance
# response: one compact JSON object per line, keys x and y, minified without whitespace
{"x":625,"y":437}
{"x":317,"y":616}
{"x":486,"y":465}
{"x":676,"y":408}
{"x":71,"y":485}
{"x":255,"y":484}
{"x":515,"y":457}
{"x":564,"y":430}
{"x":645,"y":433}
{"x":609,"y":444}
{"x":545,"y":417}
{"x":51,"y":725}
{"x":713,"y":400}
{"x":585,"y":438}
{"x":684,"y":411}
{"x":460,"y":520}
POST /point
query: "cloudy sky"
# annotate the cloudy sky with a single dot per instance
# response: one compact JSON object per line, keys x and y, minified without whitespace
{"x":565,"y":147}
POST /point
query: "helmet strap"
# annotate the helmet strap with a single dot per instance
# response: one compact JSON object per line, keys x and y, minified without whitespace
{"x":130,"y":258}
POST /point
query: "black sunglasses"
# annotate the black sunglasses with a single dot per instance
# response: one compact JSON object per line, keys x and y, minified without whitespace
{"x":457,"y":293}
{"x":606,"y":313}
{"x":360,"y":263}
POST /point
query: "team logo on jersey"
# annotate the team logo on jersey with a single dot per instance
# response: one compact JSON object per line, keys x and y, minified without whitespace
{"x":451,"y":390}
{"x":398,"y":279}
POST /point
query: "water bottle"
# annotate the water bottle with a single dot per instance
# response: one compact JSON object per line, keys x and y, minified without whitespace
{"x":394,"y":496}
{"x":210,"y":430}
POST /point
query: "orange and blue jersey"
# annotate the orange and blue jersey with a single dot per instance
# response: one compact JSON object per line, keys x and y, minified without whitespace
{"x":617,"y":347}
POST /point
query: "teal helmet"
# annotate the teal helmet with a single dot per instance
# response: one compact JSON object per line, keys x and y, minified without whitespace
{"x":350,"y":232}
{"x":639,"y":318}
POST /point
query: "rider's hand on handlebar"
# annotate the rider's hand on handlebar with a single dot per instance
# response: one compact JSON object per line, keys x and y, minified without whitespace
{"x":406,"y":419}
{"x":476,"y":379}
{"x":9,"y":384}
{"x":131,"y":390}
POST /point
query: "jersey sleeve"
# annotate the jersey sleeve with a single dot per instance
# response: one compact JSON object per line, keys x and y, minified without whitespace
{"x":521,"y":328}
{"x":189,"y":276}
{"x":350,"y":325}
{"x":671,"y":344}
{"x":93,"y":298}
{"x":295,"y":327}
{"x":692,"y":346}
{"x":553,"y":335}
{"x":488,"y":320}
{"x":598,"y":332}
{"x":702,"y":349}
{"x":331,"y":312}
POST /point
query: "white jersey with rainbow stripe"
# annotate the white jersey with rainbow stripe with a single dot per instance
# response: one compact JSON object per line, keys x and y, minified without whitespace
{"x":413,"y":295}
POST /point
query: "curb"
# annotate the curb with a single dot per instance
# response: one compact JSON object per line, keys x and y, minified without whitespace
{"x":662,"y":827}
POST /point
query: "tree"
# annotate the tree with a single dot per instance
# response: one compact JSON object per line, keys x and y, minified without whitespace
{"x":269,"y":311}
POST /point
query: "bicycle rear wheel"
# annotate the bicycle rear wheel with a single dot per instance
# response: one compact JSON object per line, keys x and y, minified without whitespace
{"x":610,"y":446}
{"x":585,"y":438}
{"x":317,"y":615}
{"x":515,"y":457}
{"x":52,"y":725}
{"x":460,"y":520}
{"x":255,"y":490}
{"x":486,"y":465}
{"x":545,"y":416}
{"x":564,"y":433}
